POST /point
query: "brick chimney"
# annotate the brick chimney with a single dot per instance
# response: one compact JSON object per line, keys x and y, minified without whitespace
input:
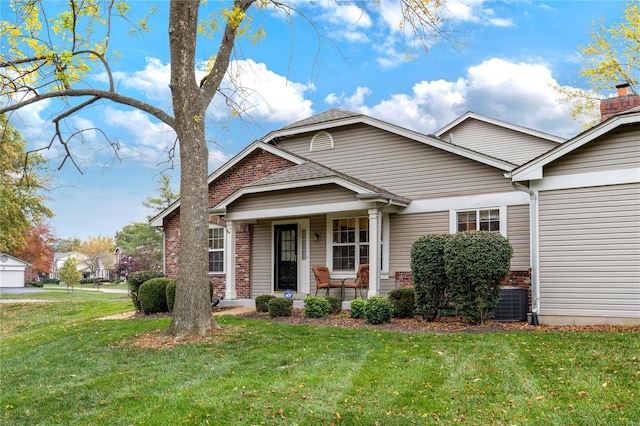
{"x":624,"y":101}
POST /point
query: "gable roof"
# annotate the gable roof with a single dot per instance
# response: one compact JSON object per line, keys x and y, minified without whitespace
{"x":310,"y":174}
{"x":157,"y":220}
{"x":15,"y":259}
{"x":338,"y":118}
{"x":474,"y":116}
{"x":534,"y":168}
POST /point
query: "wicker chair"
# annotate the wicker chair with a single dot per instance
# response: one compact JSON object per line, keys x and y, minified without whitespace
{"x":324,"y":280}
{"x":361,"y":281}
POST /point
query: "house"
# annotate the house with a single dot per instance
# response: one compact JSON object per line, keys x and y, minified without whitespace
{"x":12,"y":271}
{"x":585,"y":223}
{"x":341,"y":189}
{"x":105,"y":262}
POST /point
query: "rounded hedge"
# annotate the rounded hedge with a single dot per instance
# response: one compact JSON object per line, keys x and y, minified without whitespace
{"x":262,"y":302}
{"x":316,"y":307}
{"x":280,"y":307}
{"x":429,"y":274}
{"x":403,"y":302}
{"x":153,"y":295}
{"x":335,"y":304}
{"x":135,"y":280}
{"x":170,"y":293}
{"x":378,"y":310}
{"x":357,"y":308}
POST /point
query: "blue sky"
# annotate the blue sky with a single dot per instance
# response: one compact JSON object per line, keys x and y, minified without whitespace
{"x":514,"y":52}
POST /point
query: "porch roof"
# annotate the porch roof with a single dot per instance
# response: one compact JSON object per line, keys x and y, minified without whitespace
{"x":310,"y":174}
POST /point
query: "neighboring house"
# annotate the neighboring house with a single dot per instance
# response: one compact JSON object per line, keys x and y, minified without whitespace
{"x":585,"y":213}
{"x":341,"y":189}
{"x":105,"y":263}
{"x":12,"y":271}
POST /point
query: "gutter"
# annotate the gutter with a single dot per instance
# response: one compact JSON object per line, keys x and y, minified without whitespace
{"x":533,"y":232}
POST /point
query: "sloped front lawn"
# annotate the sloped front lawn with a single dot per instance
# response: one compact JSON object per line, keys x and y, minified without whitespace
{"x":60,"y":365}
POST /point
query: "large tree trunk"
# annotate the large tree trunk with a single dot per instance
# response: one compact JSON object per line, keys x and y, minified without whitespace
{"x":192,"y":309}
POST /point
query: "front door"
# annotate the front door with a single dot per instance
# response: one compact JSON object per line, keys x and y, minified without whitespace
{"x":286,"y":257}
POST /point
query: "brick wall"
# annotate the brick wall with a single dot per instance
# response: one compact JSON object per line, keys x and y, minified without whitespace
{"x":255,"y":166}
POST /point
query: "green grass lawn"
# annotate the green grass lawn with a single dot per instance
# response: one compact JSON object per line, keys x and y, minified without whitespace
{"x":58,"y":365}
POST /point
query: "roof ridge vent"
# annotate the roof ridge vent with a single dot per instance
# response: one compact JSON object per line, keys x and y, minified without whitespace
{"x":321,"y":141}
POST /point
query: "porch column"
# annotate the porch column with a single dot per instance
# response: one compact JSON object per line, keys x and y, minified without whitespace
{"x":374,"y":252}
{"x":230,"y":261}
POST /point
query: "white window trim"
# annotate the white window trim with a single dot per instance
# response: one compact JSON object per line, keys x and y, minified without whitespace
{"x":453,"y":218}
{"x":224,"y":250}
{"x":384,"y":273}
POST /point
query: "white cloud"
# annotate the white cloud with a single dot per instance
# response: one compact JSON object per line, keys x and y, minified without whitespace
{"x":520,"y":93}
{"x":262,"y":94}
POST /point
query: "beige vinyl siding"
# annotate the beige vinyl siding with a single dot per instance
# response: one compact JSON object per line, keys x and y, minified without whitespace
{"x":590,"y":251}
{"x":614,"y":151}
{"x":317,"y":249}
{"x":518,"y":233}
{"x":498,"y":142}
{"x":316,"y":195}
{"x":400,"y":165}
{"x":405,"y":229}
{"x":261,"y":259}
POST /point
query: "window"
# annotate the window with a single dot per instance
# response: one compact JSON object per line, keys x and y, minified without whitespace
{"x":216,"y":249}
{"x":479,"y":220}
{"x":350,"y":243}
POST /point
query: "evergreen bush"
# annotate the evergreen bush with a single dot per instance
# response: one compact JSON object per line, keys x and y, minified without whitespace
{"x":170,"y":293}
{"x":316,"y":307}
{"x":403,"y":302}
{"x":476,"y":263}
{"x":136,"y":279}
{"x":357,"y":308}
{"x":378,"y":310}
{"x":335,"y":304}
{"x":280,"y":307}
{"x":429,"y":274}
{"x":153,"y":296}
{"x":262,"y":302}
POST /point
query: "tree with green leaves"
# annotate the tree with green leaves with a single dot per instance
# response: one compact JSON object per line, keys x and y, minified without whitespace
{"x":51,"y":52}
{"x":165,"y":197}
{"x":612,"y":57}
{"x":142,"y":242}
{"x":22,"y":181}
{"x":69,"y":273}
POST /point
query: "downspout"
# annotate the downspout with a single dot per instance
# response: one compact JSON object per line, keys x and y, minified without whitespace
{"x":533,"y":232}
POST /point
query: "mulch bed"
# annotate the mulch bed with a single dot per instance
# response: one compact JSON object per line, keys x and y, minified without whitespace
{"x":417,"y":324}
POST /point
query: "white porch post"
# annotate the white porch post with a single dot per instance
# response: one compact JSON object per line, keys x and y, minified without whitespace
{"x":374,"y":252}
{"x":230,"y":261}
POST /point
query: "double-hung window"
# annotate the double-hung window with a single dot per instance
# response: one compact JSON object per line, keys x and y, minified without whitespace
{"x":479,"y":220}
{"x":216,"y":249}
{"x":350,"y":243}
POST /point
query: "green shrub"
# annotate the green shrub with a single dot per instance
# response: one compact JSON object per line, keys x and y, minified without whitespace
{"x":335,"y":304}
{"x":403,"y":302}
{"x":153,"y":295}
{"x":280,"y":307}
{"x":378,"y":310}
{"x":476,"y":263}
{"x":262,"y":302}
{"x":357,"y":308}
{"x":136,"y":279}
{"x":429,"y":274}
{"x":34,"y":284}
{"x":170,"y":293}
{"x":316,"y":307}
